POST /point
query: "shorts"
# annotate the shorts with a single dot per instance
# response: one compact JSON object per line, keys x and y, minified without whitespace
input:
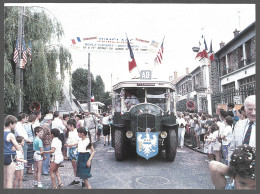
{"x":57,"y":159}
{"x":106,"y":130}
{"x":73,"y":154}
{"x":37,"y":156}
{"x":99,"y":132}
{"x":8,"y":159}
{"x":19,"y":166}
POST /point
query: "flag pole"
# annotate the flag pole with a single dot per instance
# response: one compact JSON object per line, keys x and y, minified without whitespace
{"x":156,"y":57}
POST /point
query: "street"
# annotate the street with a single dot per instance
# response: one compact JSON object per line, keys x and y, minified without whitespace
{"x":188,"y":171}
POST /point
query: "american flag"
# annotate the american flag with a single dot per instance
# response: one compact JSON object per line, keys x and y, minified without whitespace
{"x":16,"y":51}
{"x":24,"y":54}
{"x":29,"y":50}
{"x":158,"y":58}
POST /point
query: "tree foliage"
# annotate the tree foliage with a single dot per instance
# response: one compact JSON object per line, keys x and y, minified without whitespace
{"x":41,"y":80}
{"x":80,"y":83}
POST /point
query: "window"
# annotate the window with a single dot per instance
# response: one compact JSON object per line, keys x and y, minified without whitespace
{"x":224,"y":66}
{"x":248,"y":52}
{"x":228,"y":90}
{"x":246,"y":86}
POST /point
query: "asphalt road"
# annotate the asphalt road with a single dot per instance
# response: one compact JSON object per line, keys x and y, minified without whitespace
{"x":188,"y":171}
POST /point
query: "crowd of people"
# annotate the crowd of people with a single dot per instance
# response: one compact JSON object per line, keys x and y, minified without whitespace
{"x":223,"y":136}
{"x":37,"y":146}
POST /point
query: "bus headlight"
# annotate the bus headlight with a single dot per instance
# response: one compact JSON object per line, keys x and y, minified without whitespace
{"x":163,"y":134}
{"x":129,"y":134}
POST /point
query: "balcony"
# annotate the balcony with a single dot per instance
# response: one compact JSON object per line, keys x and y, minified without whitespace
{"x":241,"y":64}
{"x":249,"y":61}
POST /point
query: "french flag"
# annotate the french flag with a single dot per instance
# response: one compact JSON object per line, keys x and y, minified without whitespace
{"x":210,"y":54}
{"x":202,"y":52}
{"x":132,"y":64}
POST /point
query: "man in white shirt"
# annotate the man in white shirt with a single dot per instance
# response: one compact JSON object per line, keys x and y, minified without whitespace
{"x":20,"y":131}
{"x":240,"y":130}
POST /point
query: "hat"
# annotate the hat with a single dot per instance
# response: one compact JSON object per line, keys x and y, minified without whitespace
{"x":48,"y":117}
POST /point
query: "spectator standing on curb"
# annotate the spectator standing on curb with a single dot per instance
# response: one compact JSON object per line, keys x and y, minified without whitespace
{"x":29,"y":129}
{"x":181,"y":131}
{"x":65,"y":134}
{"x":197,"y":132}
{"x":21,"y":131}
{"x":9,"y":154}
{"x":56,"y":158}
{"x":226,"y":136}
{"x":20,"y":161}
{"x":72,"y":145}
{"x":86,"y":153}
{"x":38,"y":156}
{"x":46,"y":139}
{"x":192,"y":132}
{"x":203,"y":129}
{"x":245,"y":130}
{"x":80,"y":121}
{"x":58,"y":124}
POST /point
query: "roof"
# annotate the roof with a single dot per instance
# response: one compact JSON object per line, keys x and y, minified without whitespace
{"x":175,"y":81}
{"x":143,"y":83}
{"x":250,"y":27}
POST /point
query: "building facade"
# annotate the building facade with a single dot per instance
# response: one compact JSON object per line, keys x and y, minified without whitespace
{"x":194,"y":87}
{"x":229,"y":78}
{"x":232,"y":76}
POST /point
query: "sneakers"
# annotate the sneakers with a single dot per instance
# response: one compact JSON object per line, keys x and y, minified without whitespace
{"x":74,"y":182}
{"x":39,"y":185}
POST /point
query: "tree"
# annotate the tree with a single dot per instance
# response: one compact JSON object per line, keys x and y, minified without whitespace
{"x":80,"y":83}
{"x":99,"y":89}
{"x":41,"y":80}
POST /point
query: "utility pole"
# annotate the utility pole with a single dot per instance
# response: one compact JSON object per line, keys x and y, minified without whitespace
{"x":89,"y":84}
{"x":18,"y":70}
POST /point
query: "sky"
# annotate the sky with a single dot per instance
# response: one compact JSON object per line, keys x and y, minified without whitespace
{"x":181,"y":24}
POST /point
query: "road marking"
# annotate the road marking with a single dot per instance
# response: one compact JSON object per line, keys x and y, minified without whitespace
{"x":111,"y":151}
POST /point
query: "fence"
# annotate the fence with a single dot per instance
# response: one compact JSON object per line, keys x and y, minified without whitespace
{"x":231,"y":95}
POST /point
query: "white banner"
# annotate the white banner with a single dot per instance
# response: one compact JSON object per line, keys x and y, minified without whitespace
{"x":101,"y":44}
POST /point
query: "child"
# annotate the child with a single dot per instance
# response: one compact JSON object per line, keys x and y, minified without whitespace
{"x":208,"y":145}
{"x":19,"y":164}
{"x":197,"y":132}
{"x":226,"y":137}
{"x":56,"y":158}
{"x":216,"y":145}
{"x":241,"y":170}
{"x":86,"y":153}
{"x":100,"y":127}
{"x":9,"y":154}
{"x":38,"y":156}
{"x":72,"y":144}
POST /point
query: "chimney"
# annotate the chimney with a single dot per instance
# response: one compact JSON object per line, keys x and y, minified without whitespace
{"x":236,"y":32}
{"x":222,"y":44}
{"x":175,"y":74}
{"x":187,"y":71}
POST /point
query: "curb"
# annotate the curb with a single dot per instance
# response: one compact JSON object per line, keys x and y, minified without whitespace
{"x":196,"y":150}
